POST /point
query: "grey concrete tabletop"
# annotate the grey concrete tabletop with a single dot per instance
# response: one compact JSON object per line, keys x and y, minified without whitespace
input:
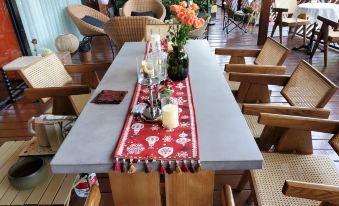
{"x":225,"y":141}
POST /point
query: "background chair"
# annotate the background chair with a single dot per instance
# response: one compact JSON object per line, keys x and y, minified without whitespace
{"x":233,"y":17}
{"x":128,"y":28}
{"x":77,"y":12}
{"x":307,"y":91}
{"x":162,"y":29}
{"x":326,"y":35}
{"x":94,"y":196}
{"x":312,"y":178}
{"x":288,"y":6}
{"x":202,"y":32}
{"x":155,"y":6}
{"x":50,"y":78}
{"x":264,"y":62}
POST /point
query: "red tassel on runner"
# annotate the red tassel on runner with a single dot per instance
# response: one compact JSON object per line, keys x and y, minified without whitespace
{"x":162,"y":168}
{"x":116,"y":165}
{"x":184,"y":167}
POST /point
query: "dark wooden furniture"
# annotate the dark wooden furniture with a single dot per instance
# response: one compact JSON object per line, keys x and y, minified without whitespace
{"x":327,"y":35}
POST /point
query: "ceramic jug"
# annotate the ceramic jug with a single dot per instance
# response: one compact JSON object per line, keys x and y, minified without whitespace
{"x":48,"y":132}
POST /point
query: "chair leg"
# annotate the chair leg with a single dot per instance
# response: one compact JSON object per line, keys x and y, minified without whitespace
{"x":280,"y":33}
{"x":325,"y":50}
{"x":304,"y":34}
{"x":243,"y":181}
{"x":111,"y":45}
{"x":274,"y":28}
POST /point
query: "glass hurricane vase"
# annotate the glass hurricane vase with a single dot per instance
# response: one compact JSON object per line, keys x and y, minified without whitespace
{"x":177,"y":64}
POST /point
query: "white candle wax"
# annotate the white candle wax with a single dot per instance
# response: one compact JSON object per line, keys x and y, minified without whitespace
{"x":155,"y":40}
{"x":170,"y":116}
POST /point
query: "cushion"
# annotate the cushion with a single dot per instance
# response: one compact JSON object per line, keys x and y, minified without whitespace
{"x":93,"y":21}
{"x":143,"y":13}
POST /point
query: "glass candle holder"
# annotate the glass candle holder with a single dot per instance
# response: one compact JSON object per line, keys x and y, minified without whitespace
{"x":170,"y":112}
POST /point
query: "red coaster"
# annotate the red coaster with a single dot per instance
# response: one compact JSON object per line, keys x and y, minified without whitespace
{"x":109,"y":97}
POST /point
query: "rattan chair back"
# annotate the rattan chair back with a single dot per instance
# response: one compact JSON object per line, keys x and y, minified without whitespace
{"x":128,"y":28}
{"x":161,"y":29}
{"x":145,"y":5}
{"x":307,"y":87}
{"x":48,"y":72}
{"x":78,"y":11}
{"x":272,"y":53}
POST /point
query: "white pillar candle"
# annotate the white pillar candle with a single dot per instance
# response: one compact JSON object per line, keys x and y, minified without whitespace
{"x":170,"y":116}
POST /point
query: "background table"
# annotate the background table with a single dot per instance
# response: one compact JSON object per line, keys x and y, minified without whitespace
{"x":327,"y":10}
{"x":54,"y":190}
{"x":312,"y":11}
{"x":225,"y":140}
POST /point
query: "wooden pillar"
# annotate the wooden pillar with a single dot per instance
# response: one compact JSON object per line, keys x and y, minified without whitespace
{"x":264,"y":20}
{"x":239,"y":5}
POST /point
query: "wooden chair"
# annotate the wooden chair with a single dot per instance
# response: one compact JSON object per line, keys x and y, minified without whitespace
{"x":78,"y":11}
{"x":94,"y":197}
{"x":288,"y":6}
{"x":303,"y":179}
{"x":139,"y":188}
{"x":146,"y":5}
{"x":50,"y":78}
{"x":128,"y":28}
{"x":162,"y":29}
{"x":189,"y":189}
{"x":326,"y":35}
{"x":306,"y":90}
{"x":264,"y":63}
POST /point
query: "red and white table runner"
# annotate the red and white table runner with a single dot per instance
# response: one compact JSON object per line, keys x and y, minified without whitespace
{"x":174,"y":148}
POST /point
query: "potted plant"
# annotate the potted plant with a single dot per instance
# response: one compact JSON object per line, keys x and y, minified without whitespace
{"x":185,"y":21}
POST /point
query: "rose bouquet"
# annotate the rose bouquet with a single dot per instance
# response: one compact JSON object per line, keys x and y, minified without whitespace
{"x":185,"y":20}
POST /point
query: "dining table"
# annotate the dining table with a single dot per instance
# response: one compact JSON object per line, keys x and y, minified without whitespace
{"x":312,"y":11}
{"x":225,"y":140}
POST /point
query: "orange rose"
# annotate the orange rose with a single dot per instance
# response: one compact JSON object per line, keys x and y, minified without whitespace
{"x":183,"y":3}
{"x":194,"y":7}
{"x":184,"y":19}
{"x":199,"y":23}
{"x":191,"y":21}
{"x":174,"y":8}
{"x":180,"y":15}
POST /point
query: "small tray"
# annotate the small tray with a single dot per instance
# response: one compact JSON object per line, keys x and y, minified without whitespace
{"x":34,"y":149}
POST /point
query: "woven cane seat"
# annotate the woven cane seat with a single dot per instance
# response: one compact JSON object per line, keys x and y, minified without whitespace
{"x":294,"y":22}
{"x":277,"y":168}
{"x":255,"y":127}
{"x":234,"y":86}
{"x":307,"y":87}
{"x":272,"y":53}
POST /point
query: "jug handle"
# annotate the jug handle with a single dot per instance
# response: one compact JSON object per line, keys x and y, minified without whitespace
{"x":30,"y":126}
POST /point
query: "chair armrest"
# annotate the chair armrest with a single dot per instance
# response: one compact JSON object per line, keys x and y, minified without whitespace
{"x":237,"y":52}
{"x":312,"y":191}
{"x":86,"y":68}
{"x":94,"y":196}
{"x":297,"y":122}
{"x":37,"y":93}
{"x":227,"y":196}
{"x":329,"y":22}
{"x":256,"y":109}
{"x":279,"y":10}
{"x":260,"y":69}
{"x":268,"y":79}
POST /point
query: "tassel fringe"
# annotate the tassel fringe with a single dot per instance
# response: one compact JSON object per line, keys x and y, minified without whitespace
{"x":147,"y":168}
{"x":162,"y":170}
{"x":198,"y":167}
{"x":177,"y":168}
{"x":116,"y":165}
{"x":123,"y":166}
{"x":184,"y":167}
{"x":169,"y":167}
{"x":132,"y":168}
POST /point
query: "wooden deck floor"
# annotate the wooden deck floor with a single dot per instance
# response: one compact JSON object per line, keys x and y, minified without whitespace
{"x":13,"y":119}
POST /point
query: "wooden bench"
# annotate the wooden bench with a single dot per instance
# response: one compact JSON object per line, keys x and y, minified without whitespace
{"x":54,"y":190}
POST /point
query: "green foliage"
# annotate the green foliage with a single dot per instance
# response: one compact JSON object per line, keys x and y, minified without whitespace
{"x":178,"y":36}
{"x":167,"y":4}
{"x":120,"y":3}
